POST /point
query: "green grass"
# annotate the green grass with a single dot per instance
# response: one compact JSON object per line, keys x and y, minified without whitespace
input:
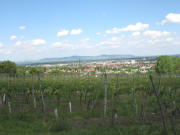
{"x":30,"y":123}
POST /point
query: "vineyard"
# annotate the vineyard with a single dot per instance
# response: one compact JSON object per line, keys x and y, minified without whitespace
{"x":73,"y":104}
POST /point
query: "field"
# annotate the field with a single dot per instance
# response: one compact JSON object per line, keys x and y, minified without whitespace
{"x":72,"y":104}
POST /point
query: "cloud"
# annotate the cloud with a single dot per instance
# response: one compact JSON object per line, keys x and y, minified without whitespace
{"x":113,"y":31}
{"x":19,"y":43}
{"x":137,"y":27}
{"x":62,"y":33}
{"x":8,"y":52}
{"x":169,"y":39}
{"x":145,"y":39}
{"x":114,"y":42}
{"x":13,"y":38}
{"x":67,"y":32}
{"x":63,"y":45}
{"x":156,"y":34}
{"x":114,"y":38}
{"x":76,"y":31}
{"x":85,"y":39}
{"x":98,"y":33}
{"x":171,"y":18}
{"x":135,"y":34}
{"x":57,"y":44}
{"x":22,"y":37}
{"x":22,"y":27}
{"x":30,"y":43}
{"x":38,"y":41}
{"x":1,"y":45}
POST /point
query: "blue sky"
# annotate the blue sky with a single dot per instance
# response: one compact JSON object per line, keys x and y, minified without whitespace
{"x":35,"y":29}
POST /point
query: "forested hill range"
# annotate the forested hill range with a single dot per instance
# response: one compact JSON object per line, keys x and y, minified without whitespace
{"x":71,"y":59}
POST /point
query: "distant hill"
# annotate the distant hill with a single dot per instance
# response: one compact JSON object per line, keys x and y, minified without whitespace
{"x":71,"y":59}
{"x":76,"y":58}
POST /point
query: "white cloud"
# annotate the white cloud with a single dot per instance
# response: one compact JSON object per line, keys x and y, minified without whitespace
{"x":169,"y":39}
{"x":171,"y":18}
{"x":22,"y":37}
{"x":57,"y":44}
{"x":13,"y":38}
{"x":22,"y":27}
{"x":113,"y":31}
{"x":156,"y":34}
{"x":134,"y":34}
{"x":65,"y":45}
{"x":8,"y":52}
{"x":1,"y":45}
{"x":18,"y":43}
{"x":62,"y":33}
{"x":76,"y":31}
{"x":114,"y":38}
{"x":114,"y":42}
{"x":29,"y":43}
{"x":67,"y":32}
{"x":86,"y":39}
{"x":137,"y":27}
{"x":83,"y":42}
{"x":38,"y":41}
{"x":98,"y":33}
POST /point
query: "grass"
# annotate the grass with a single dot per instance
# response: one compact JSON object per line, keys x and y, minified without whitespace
{"x":36,"y":124}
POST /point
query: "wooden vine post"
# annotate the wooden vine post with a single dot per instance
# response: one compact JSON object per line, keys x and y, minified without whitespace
{"x":33,"y":92}
{"x":105,"y":94}
{"x":163,"y":115}
{"x":25,"y":92}
{"x":134,"y":96}
{"x":41,"y":92}
{"x":114,"y":109}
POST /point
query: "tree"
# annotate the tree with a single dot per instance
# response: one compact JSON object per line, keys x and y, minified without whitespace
{"x":35,"y":70}
{"x":165,"y":64}
{"x":176,"y":61}
{"x":8,"y":67}
{"x":21,"y":70}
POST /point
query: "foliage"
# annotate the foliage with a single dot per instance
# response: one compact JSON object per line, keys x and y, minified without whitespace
{"x":35,"y":70}
{"x":131,"y":91}
{"x":8,"y":67}
{"x":165,"y":65}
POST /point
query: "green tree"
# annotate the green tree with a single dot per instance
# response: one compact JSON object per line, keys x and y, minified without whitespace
{"x":176,"y":61}
{"x":21,"y":70}
{"x":35,"y":70}
{"x":165,"y":64}
{"x":8,"y":67}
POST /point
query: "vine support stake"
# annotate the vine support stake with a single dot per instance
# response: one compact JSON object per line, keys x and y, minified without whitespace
{"x":42,"y":97}
{"x":56,"y":113}
{"x":33,"y":93}
{"x":70,"y":107}
{"x":105,"y":94}
{"x":9,"y":106}
{"x":116,"y":94}
{"x":163,"y":115}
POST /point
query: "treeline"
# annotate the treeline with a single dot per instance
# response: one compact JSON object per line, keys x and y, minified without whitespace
{"x":167,"y":64}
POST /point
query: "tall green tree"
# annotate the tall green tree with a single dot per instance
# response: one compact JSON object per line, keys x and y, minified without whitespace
{"x":165,"y":64}
{"x":8,"y":67}
{"x":35,"y":70}
{"x":176,"y":61}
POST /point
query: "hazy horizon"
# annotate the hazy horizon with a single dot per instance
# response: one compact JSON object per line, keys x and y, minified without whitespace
{"x":33,"y":30}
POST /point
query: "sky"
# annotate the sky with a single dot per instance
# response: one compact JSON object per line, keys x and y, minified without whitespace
{"x":36,"y":29}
